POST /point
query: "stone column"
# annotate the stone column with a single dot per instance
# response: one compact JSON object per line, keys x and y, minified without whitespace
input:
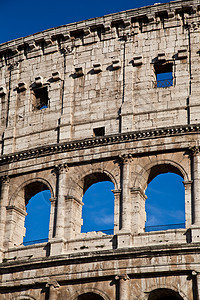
{"x":196,"y":186}
{"x":138,"y":213}
{"x":53,"y":288}
{"x":188,"y":203}
{"x":196,"y":283}
{"x":52,"y":217}
{"x":124,"y":286}
{"x":117,"y":221}
{"x":126,"y":201}
{"x":3,"y":203}
{"x":60,"y":172}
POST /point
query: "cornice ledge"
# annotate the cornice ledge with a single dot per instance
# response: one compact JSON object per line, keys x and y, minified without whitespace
{"x":99,"y":141}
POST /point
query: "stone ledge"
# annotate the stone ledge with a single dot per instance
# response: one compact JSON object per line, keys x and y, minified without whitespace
{"x":99,"y":141}
{"x":128,"y":252}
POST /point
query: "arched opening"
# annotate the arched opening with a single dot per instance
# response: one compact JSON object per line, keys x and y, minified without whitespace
{"x":164,"y":294}
{"x":165,"y":204}
{"x":90,"y":296}
{"x":98,"y":208}
{"x":38,"y":206}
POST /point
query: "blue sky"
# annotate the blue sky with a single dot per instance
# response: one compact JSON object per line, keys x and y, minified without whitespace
{"x":98,"y":208}
{"x":20,"y":18}
{"x":37,"y":220}
{"x":165,"y":202}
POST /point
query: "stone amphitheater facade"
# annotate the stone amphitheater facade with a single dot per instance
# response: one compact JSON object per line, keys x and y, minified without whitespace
{"x":82,"y":103}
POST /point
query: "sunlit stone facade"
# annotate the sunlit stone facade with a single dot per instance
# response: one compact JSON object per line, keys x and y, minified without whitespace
{"x":114,"y":99}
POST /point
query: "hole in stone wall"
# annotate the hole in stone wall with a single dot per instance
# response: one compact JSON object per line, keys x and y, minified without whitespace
{"x":40,"y":98}
{"x":90,"y":296}
{"x":98,"y":208}
{"x":100,"y":131}
{"x":164,"y":75}
{"x":165,"y":204}
{"x":164,"y":294}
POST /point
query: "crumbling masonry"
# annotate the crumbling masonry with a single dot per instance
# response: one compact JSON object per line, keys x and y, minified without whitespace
{"x":83,"y":103}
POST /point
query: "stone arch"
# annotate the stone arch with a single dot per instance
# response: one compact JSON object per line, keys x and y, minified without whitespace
{"x":75,"y":176}
{"x":97,"y":176}
{"x":148,"y":170}
{"x":16,"y":211}
{"x":161,"y":166}
{"x":158,"y":285}
{"x":78,"y":180}
{"x":162,"y":169}
{"x":103,"y":173}
{"x":86,"y":290}
{"x":165,"y":294}
{"x":32,"y":182}
{"x":90,"y":296}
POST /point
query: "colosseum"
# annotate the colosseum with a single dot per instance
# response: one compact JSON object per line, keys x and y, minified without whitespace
{"x":89,"y":102}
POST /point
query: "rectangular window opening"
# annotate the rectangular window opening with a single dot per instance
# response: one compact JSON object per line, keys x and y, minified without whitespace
{"x":164,"y":75}
{"x":100,"y":131}
{"x":41,"y":98}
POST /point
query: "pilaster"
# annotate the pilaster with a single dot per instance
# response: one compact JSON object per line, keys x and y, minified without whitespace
{"x":126,"y":201}
{"x":117,"y":213}
{"x":188,"y":203}
{"x":53,"y":288}
{"x":60,"y":172}
{"x":196,"y":280}
{"x":52,"y":217}
{"x":124,"y":286}
{"x":196,"y":186}
{"x":5,"y":180}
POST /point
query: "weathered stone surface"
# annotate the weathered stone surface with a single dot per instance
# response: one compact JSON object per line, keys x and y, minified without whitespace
{"x":82,"y":103}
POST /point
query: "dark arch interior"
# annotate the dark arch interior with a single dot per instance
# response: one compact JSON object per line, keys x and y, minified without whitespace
{"x":94,"y":178}
{"x":90,"y":296}
{"x":164,"y":294}
{"x":34,"y":188}
{"x":168,"y":298}
{"x":161,"y":169}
